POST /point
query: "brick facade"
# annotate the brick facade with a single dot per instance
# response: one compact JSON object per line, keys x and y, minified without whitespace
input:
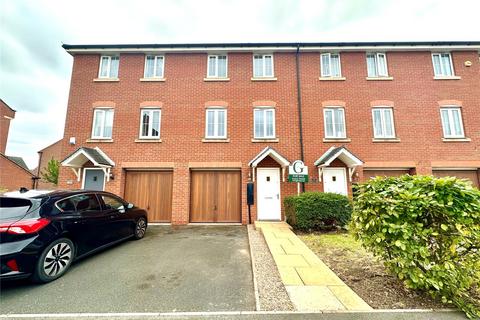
{"x":53,"y":151}
{"x":184,"y":96}
{"x":6,"y":115}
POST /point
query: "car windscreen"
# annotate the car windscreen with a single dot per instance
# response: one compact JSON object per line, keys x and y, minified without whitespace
{"x":12,"y":208}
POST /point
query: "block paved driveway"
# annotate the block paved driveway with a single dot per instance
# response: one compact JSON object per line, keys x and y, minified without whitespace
{"x":193,"y":268}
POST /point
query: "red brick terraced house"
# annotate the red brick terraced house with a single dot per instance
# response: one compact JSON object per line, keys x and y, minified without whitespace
{"x":180,"y":129}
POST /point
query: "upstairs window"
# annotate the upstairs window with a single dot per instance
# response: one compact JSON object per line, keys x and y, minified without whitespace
{"x":334,"y":123}
{"x":452,"y":122}
{"x":216,"y":123}
{"x":377,"y":65}
{"x":383,"y":127}
{"x":108,"y":67}
{"x":102,"y":123}
{"x":264,"y":123}
{"x":150,"y":123}
{"x":262,"y":65}
{"x":330,"y":65}
{"x":153,"y":66}
{"x":442,"y":64}
{"x":217,"y":66}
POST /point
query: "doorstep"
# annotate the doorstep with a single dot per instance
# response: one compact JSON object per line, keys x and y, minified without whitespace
{"x":310,"y":283}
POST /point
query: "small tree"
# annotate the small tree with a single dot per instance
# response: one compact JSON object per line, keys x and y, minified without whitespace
{"x":50,"y":172}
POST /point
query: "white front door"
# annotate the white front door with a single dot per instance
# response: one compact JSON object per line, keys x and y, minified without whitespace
{"x":268,"y":194}
{"x":335,"y":180}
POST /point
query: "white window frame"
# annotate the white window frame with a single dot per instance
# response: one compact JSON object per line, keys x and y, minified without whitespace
{"x":109,"y":65}
{"x":329,"y":54}
{"x":150,"y":123}
{"x":264,"y":110}
{"x":215,"y":135}
{"x":452,"y":128}
{"x":263,"y":65}
{"x":102,"y":130}
{"x":216,"y":66}
{"x":377,"y":54}
{"x":383,"y":123}
{"x":442,"y":71}
{"x":154,"y":66}
{"x":332,"y":108}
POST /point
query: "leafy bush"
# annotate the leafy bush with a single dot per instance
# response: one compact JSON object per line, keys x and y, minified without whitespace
{"x":427,"y":231}
{"x":317,"y":210}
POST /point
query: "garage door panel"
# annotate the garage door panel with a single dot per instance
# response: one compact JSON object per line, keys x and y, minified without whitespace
{"x":367,"y":174}
{"x":215,"y":196}
{"x":152,"y":191}
{"x":228,"y":203}
{"x":471,"y":175}
{"x":202,"y":197}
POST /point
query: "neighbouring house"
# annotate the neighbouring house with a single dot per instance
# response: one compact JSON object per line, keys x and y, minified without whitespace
{"x":14,"y":173}
{"x":53,"y":151}
{"x":180,"y":129}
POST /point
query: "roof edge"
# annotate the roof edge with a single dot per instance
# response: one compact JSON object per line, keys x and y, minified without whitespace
{"x":6,"y":157}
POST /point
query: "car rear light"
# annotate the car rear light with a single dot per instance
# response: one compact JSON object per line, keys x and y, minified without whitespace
{"x":26,"y":226}
{"x":12,"y":264}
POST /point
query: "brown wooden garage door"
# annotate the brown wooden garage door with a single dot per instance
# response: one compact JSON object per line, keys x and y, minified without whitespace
{"x":462,"y":174}
{"x":152,"y":191}
{"x":215,"y":196}
{"x":367,"y":174}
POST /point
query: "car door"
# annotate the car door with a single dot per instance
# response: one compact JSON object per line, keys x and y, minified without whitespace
{"x":121,"y":224}
{"x":84,"y":219}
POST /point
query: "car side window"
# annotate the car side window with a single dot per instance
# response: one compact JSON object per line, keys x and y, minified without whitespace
{"x":112,"y":203}
{"x":79,"y":203}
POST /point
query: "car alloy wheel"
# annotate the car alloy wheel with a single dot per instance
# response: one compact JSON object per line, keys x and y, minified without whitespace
{"x":57,"y":259}
{"x":140,"y":228}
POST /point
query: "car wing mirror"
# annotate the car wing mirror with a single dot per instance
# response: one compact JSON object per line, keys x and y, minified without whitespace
{"x":121,"y":209}
{"x":130,"y":206}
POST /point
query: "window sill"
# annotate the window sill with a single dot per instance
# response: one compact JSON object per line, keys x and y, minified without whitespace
{"x":211,"y":140}
{"x":216,"y":79}
{"x":386,"y":140}
{"x":263,"y":78}
{"x":332,"y":78}
{"x":337,"y":140}
{"x":143,"y":140}
{"x":106,"y":80}
{"x":259,"y":140}
{"x":99,"y":140}
{"x":456,"y":139}
{"x":379,"y":78}
{"x":447,"y":78}
{"x":152,"y":79}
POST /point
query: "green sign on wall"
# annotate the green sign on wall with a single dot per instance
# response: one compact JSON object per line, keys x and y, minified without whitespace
{"x":297,"y":178}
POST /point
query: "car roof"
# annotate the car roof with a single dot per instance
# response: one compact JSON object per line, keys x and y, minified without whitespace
{"x":56,"y":194}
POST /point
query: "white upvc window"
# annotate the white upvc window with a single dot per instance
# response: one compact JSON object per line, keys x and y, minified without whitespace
{"x":102,"y":123}
{"x":383,"y":126}
{"x":150,"y":123}
{"x":216,"y":123}
{"x":330,"y":65}
{"x":154,"y":66}
{"x":217,"y":66}
{"x":108,"y":67}
{"x":377,"y":64}
{"x":334,"y":122}
{"x":262,"y":65}
{"x":442,"y":64}
{"x":264,"y":123}
{"x":452,"y":122}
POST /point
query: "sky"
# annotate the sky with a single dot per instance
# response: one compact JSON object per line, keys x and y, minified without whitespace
{"x":35,"y":71}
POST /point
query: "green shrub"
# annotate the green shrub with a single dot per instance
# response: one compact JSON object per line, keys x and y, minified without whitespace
{"x":427,"y":231}
{"x":317,"y":210}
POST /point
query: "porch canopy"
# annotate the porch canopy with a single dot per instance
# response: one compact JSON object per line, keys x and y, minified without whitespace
{"x":342,"y":154}
{"x":82,"y":155}
{"x":269,"y":152}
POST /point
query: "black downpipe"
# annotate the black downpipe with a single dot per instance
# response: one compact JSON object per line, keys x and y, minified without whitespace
{"x":299,"y":105}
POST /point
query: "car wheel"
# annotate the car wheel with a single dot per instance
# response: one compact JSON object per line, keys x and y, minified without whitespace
{"x":54,"y":260}
{"x":140,"y":228}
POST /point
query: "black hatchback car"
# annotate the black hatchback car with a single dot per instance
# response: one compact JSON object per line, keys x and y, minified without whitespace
{"x":41,"y":235}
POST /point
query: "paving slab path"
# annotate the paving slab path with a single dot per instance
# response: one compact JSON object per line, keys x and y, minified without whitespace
{"x":310,"y":283}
